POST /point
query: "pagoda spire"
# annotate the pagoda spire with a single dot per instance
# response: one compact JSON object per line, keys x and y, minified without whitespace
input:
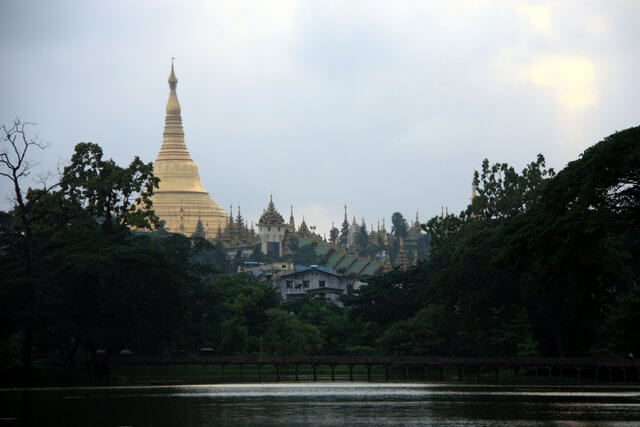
{"x":180,"y":192}
{"x":173,"y":81}
{"x":292,"y":223}
{"x":173,"y":146}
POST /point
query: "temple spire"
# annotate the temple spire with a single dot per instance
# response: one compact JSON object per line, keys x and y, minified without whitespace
{"x":173,"y":145}
{"x":180,"y":192}
{"x":292,"y":223}
{"x":173,"y":81}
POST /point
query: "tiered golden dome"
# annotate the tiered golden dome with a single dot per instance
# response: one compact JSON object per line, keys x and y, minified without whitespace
{"x":181,"y":200}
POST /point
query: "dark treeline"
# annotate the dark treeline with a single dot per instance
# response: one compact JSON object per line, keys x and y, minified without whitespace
{"x":540,"y":263}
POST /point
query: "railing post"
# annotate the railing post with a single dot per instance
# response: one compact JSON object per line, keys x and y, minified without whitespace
{"x":368,"y":372}
{"x":295,"y":368}
{"x":386,"y":372}
{"x":333,"y":371}
{"x":314,"y":366}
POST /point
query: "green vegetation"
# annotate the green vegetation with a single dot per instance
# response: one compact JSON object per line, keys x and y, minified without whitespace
{"x":539,"y":264}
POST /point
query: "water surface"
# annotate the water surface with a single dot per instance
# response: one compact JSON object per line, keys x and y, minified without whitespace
{"x":322,"y":404}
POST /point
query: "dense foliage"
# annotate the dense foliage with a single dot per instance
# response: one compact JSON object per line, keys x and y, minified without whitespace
{"x":539,"y":263}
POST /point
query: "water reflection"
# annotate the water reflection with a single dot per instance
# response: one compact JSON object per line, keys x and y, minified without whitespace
{"x":323,"y":404}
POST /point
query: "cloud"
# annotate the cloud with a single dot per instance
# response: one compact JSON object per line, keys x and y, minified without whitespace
{"x":386,"y":106}
{"x":538,"y":15}
{"x":571,"y":78}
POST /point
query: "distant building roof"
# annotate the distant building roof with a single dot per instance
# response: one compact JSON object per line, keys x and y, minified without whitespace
{"x":315,"y":268}
{"x":334,"y":259}
{"x":372,"y":269}
{"x":357,"y":266}
{"x":345,"y":263}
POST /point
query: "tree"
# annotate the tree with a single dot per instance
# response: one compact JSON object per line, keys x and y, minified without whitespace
{"x":286,"y":335}
{"x":399,"y":229}
{"x":235,"y":336}
{"x":16,"y":166}
{"x":581,"y":244}
{"x":240,"y":297}
{"x":426,"y":333}
{"x":362,"y":240}
{"x":344,"y":233}
{"x":502,"y":193}
{"x":110,"y":194}
{"x":440,"y":228}
{"x":340,"y":334}
{"x":305,"y":255}
{"x":199,"y":231}
{"x":618,"y":335}
{"x":292,"y":242}
{"x":334,"y":233}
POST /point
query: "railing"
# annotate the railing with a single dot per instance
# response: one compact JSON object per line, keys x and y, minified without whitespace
{"x":137,"y":359}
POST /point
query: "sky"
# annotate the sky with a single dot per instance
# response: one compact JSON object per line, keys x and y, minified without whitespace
{"x":383,"y":105}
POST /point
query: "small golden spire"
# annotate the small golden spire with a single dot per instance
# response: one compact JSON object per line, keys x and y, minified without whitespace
{"x":173,"y":81}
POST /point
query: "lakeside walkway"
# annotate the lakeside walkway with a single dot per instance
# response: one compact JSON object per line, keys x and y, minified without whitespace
{"x":467,"y":367}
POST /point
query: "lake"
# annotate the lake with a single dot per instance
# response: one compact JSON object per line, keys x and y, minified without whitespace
{"x":322,"y":404}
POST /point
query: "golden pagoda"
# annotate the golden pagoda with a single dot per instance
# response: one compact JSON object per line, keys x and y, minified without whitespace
{"x":181,"y":200}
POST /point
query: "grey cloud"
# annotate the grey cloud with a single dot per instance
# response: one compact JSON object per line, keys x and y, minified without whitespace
{"x":383,"y":106}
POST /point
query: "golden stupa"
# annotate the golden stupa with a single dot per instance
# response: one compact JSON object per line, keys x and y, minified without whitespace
{"x":181,"y":200}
